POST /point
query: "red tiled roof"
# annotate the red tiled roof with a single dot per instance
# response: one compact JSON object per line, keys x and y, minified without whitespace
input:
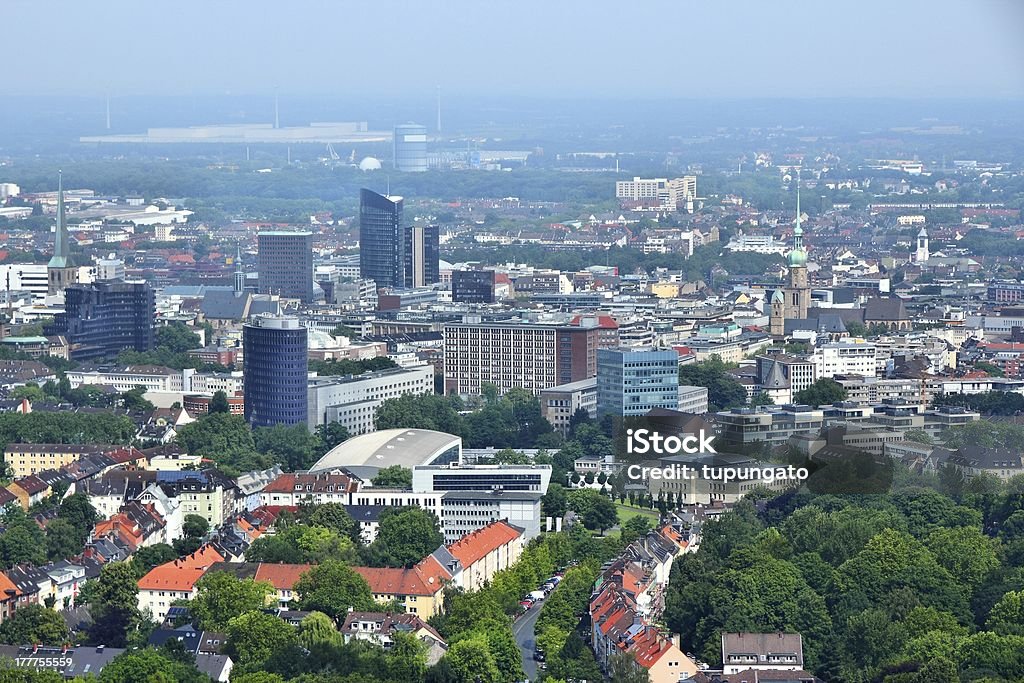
{"x":181,"y":574}
{"x":281,"y":576}
{"x":319,"y":483}
{"x":478,"y":544}
{"x":7,"y":587}
{"x":426,"y":578}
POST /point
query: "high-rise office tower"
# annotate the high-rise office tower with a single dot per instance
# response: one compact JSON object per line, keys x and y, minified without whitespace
{"x":286,"y":264}
{"x":512,"y":355}
{"x":635,"y":381}
{"x":275,"y":370}
{"x":422,"y":255}
{"x":104,"y":318}
{"x":381,"y":240}
{"x":410,"y":143}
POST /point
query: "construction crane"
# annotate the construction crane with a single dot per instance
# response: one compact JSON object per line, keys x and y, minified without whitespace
{"x":331,"y":153}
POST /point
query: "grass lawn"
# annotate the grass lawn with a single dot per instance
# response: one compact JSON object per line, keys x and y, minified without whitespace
{"x":626,"y":512}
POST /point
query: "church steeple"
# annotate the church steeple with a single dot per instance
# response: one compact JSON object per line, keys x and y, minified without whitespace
{"x":60,"y":239}
{"x":798,"y":256}
{"x":61,"y":271}
{"x":239,"y":273}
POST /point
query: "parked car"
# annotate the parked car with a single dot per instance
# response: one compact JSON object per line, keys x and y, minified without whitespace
{"x":526,"y":603}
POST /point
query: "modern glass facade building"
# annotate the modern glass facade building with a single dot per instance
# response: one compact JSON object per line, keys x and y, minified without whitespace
{"x":422,"y":255}
{"x":276,"y":358}
{"x":410,"y":147}
{"x":473,"y":286}
{"x":105,"y":318}
{"x":382,"y":243}
{"x":286,"y":264}
{"x":634,"y":381}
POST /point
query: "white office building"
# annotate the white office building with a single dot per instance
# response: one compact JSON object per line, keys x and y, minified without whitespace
{"x":353,"y":401}
{"x":848,"y":357}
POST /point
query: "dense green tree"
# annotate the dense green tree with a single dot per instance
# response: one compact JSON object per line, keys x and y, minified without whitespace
{"x":114,"y":608}
{"x":1007,"y":616}
{"x":33,"y":624}
{"x":407,"y":658}
{"x":62,"y":540}
{"x":393,"y":477}
{"x":220,"y":597}
{"x":404,"y":537}
{"x":22,"y":540}
{"x":622,"y":668}
{"x":300,"y":544}
{"x":226,"y":440}
{"x":330,"y":435}
{"x":65,"y":427}
{"x":176,"y":337}
{"x":471,"y":661}
{"x":147,"y":557}
{"x":255,"y":637}
{"x":333,"y":588}
{"x":291,"y":446}
{"x":425,"y":411}
{"x":724,"y":390}
{"x":317,"y":630}
{"x":134,"y":401}
{"x":892,"y":561}
{"x":345,"y":366}
{"x":219,"y":403}
{"x":965,"y":552}
{"x":151,"y":666}
{"x":332,"y":516}
{"x":823,"y":392}
{"x":554,"y":503}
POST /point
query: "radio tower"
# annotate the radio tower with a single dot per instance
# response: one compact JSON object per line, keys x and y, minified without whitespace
{"x":438,"y":109}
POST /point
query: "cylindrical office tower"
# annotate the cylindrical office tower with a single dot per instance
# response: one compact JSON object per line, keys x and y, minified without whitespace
{"x":276,"y":360}
{"x":411,"y":147}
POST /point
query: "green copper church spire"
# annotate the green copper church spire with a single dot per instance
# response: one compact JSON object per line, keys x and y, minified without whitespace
{"x":798,"y":256}
{"x":60,"y":238}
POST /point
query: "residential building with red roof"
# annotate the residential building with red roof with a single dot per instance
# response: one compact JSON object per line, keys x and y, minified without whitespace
{"x":486,"y":551}
{"x":420,"y":587}
{"x":318,"y":488}
{"x":171,"y":581}
{"x":629,"y":602}
{"x":8,"y":597}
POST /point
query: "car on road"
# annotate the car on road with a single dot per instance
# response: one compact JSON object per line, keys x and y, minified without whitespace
{"x":527,"y":603}
{"x":538,"y":655}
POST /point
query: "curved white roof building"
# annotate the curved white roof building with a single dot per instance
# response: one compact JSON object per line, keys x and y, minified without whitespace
{"x":366,"y":454}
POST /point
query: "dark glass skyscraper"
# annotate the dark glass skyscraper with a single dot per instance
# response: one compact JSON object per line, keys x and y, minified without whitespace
{"x":276,"y":359}
{"x":422,"y":255}
{"x":286,"y":264}
{"x":105,"y":318}
{"x":381,"y":241}
{"x":473,"y":286}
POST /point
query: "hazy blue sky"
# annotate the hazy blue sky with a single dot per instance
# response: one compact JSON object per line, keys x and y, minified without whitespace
{"x":638,"y":48}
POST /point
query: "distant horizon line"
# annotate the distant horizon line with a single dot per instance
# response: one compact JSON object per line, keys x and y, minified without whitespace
{"x":624,"y":98}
